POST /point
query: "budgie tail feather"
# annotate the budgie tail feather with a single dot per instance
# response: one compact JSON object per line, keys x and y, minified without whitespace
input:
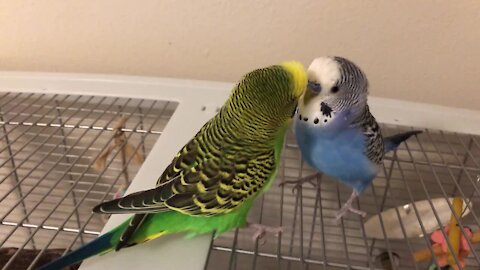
{"x":394,"y":141}
{"x":99,"y":245}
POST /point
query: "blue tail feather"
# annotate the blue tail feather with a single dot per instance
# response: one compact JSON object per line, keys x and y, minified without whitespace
{"x":394,"y":141}
{"x":97,"y":246}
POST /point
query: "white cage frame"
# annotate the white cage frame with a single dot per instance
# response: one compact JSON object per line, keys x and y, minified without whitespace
{"x":198,"y":102}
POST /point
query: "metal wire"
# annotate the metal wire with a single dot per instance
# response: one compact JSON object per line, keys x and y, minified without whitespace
{"x":76,"y":206}
{"x":48,"y":144}
{"x":423,"y":168}
{"x":48,"y":184}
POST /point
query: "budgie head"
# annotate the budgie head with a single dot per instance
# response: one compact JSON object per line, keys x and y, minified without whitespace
{"x":337,"y":88}
{"x":265,"y":99}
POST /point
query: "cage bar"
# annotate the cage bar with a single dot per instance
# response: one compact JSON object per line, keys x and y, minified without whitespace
{"x":49,"y":142}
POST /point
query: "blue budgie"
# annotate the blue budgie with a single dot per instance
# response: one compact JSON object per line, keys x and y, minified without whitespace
{"x":335,"y":130}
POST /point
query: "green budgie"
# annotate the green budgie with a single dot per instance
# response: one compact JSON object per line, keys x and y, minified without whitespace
{"x":212,"y":182}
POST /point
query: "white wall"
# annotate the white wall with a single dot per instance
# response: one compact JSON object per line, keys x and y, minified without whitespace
{"x":425,"y":51}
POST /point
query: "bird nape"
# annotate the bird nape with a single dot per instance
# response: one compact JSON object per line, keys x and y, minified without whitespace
{"x":335,"y":131}
{"x":212,"y":182}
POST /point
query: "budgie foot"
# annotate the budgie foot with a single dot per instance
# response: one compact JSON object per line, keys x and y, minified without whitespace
{"x":299,"y":182}
{"x":347,"y":207}
{"x":261,"y":230}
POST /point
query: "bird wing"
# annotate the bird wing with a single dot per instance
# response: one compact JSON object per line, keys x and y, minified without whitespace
{"x":374,"y":147}
{"x":201,"y":184}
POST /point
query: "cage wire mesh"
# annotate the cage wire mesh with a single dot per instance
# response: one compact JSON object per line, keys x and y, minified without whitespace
{"x":433,"y":166}
{"x":60,"y":155}
{"x":49,"y":145}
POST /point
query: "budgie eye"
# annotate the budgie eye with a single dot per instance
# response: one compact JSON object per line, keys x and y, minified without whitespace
{"x":315,"y":87}
{"x":334,"y":89}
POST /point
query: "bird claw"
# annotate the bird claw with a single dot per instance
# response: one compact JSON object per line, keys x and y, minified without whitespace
{"x":262,"y":230}
{"x":297,"y":184}
{"x":348,"y":208}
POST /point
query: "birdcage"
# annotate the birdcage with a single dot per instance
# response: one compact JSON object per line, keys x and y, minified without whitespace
{"x":69,"y":142}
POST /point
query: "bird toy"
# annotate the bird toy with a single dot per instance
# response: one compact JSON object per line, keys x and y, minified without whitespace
{"x":444,"y":257}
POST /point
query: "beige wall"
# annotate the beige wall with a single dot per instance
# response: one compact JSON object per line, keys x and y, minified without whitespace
{"x":424,"y":51}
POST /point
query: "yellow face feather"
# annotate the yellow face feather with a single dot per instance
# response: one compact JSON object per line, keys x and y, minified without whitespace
{"x":299,"y":74}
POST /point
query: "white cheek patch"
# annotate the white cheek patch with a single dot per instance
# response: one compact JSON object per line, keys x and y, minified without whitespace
{"x":316,"y":113}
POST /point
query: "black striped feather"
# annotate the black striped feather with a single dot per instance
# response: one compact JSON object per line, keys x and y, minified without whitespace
{"x":373,"y":135}
{"x":215,"y":186}
{"x":132,"y":227}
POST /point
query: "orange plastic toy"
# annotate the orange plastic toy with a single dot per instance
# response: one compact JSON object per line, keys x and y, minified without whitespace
{"x":455,"y":237}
